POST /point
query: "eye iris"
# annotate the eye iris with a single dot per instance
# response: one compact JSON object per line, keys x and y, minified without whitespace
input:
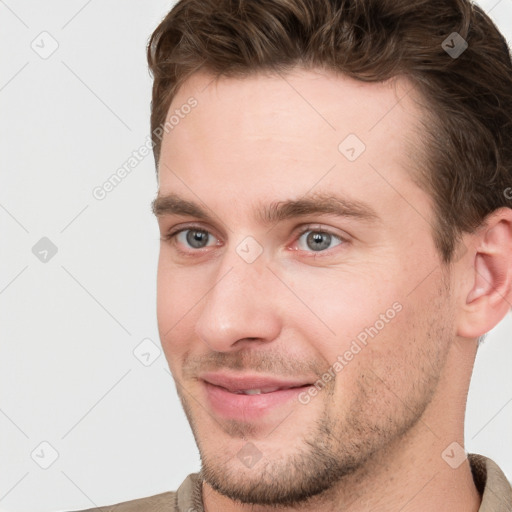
{"x":321,"y":240}
{"x":196,"y":238}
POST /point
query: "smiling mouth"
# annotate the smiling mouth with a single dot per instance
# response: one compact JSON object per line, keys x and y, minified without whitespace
{"x":263,"y":391}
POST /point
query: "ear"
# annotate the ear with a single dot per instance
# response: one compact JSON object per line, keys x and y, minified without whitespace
{"x":489,"y":297}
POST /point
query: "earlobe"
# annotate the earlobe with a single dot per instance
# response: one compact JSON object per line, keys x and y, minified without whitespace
{"x":490,"y":297}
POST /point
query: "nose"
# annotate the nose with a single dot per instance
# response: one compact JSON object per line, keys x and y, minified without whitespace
{"x":241,"y":307}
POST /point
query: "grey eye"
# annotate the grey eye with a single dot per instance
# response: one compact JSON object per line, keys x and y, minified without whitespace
{"x":319,"y":240}
{"x":196,"y":238}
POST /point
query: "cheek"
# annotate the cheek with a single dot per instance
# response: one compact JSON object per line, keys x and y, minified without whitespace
{"x":373,"y":323}
{"x":176,"y":298}
{"x":401,"y":360}
{"x":346,"y":301}
{"x":179,"y":287}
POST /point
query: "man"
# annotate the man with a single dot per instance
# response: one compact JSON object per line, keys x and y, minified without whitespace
{"x":336,"y":241}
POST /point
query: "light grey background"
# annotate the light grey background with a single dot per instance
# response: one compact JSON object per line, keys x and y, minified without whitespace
{"x":69,"y":326}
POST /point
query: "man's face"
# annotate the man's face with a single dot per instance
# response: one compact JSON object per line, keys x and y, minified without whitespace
{"x":249,"y":300}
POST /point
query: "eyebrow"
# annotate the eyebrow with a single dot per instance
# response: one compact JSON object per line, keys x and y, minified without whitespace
{"x":312,"y":204}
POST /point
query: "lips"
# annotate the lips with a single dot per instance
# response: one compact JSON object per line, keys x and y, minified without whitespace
{"x":248,"y":397}
{"x":245,"y":383}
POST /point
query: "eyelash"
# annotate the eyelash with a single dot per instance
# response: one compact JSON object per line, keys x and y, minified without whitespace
{"x":313,"y":228}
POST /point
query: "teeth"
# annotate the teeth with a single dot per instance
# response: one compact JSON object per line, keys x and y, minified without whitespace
{"x":257,"y":391}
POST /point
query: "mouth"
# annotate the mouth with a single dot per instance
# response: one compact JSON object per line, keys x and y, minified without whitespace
{"x":263,"y":391}
{"x":249,"y":397}
{"x":236,"y":383}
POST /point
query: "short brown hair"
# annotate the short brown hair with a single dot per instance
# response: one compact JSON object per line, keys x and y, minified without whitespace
{"x":466,"y":159}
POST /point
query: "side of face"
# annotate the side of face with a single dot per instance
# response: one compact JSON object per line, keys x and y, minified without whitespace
{"x":362,"y":304}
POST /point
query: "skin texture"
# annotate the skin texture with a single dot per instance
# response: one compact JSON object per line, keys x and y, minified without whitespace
{"x":373,"y":437}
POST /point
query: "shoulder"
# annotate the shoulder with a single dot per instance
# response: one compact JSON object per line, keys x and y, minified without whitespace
{"x":159,"y":502}
{"x":185,"y":498}
{"x":492,"y":484}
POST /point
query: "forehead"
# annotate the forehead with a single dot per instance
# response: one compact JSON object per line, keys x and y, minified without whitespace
{"x":292,"y":132}
{"x":325,"y":101}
